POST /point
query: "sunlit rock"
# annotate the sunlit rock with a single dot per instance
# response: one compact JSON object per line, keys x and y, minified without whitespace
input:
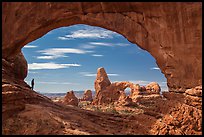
{"x":70,"y":99}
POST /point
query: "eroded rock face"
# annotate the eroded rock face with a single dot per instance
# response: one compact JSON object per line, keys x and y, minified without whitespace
{"x":197,"y":91}
{"x":115,"y":91}
{"x":70,"y":99}
{"x":87,"y":96}
{"x":171,"y":32}
{"x":153,"y":88}
{"x":15,"y":67}
{"x":183,"y":117}
{"x":101,"y":81}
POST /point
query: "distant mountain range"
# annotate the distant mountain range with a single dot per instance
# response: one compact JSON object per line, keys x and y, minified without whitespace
{"x":78,"y":94}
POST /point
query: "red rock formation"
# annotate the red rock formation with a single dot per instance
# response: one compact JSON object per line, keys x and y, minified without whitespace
{"x":70,"y":99}
{"x":124,"y":101}
{"x":115,"y":91}
{"x":182,"y":118}
{"x":153,"y":88}
{"x":142,"y":88}
{"x":87,"y":96}
{"x":101,"y":81}
{"x":170,"y":32}
{"x":173,"y":29}
{"x":197,"y":91}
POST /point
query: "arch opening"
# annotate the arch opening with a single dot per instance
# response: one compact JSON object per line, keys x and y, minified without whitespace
{"x":78,"y":41}
{"x":127,"y":91}
{"x":162,"y":30}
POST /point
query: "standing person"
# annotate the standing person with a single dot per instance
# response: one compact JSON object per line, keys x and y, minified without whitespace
{"x":32,"y":84}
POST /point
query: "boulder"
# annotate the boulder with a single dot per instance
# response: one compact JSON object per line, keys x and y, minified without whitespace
{"x":70,"y":99}
{"x":153,"y":88}
{"x":87,"y":96}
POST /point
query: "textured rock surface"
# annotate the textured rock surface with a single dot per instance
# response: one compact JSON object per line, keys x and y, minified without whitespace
{"x":87,"y":96}
{"x":15,"y":68}
{"x":115,"y":91}
{"x":197,"y":91}
{"x":171,"y":32}
{"x":101,"y":81}
{"x":181,"y":119}
{"x":70,"y":99}
{"x":153,"y":87}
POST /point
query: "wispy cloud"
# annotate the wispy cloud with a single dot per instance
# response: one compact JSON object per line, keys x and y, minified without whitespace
{"x":30,"y":46}
{"x":88,"y":74}
{"x":63,"y":38}
{"x":109,"y":74}
{"x":101,"y":44}
{"x":50,"y":65}
{"x":32,"y":72}
{"x":140,"y":82}
{"x":108,"y":44}
{"x":50,"y":57}
{"x":54,"y":53}
{"x":92,"y":45}
{"x":155,"y":68}
{"x":93,"y":33}
{"x":86,"y":46}
{"x":58,"y":83}
{"x":122,"y":44}
{"x":97,"y":55}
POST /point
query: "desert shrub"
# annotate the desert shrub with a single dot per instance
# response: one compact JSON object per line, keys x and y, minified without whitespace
{"x":127,"y":112}
{"x":111,"y":109}
{"x":83,"y":104}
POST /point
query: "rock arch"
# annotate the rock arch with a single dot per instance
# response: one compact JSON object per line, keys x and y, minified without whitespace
{"x":170,"y":32}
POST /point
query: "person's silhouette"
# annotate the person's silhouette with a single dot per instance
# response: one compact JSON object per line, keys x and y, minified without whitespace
{"x":32,"y":84}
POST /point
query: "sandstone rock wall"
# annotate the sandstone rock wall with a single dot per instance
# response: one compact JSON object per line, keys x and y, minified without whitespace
{"x":170,"y":32}
{"x":113,"y":92}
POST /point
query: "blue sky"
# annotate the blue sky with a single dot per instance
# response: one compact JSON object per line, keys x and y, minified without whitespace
{"x":67,"y":58}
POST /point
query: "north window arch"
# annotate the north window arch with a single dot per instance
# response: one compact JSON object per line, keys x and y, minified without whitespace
{"x":84,"y":44}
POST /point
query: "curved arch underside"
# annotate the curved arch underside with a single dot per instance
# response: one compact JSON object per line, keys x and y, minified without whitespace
{"x":170,"y":32}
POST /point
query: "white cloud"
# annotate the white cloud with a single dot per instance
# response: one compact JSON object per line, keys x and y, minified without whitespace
{"x":87,"y":46}
{"x":90,"y":75}
{"x":155,"y":68}
{"x":140,"y":82}
{"x":97,"y":55}
{"x":54,"y":53}
{"x":113,"y":74}
{"x":108,"y":44}
{"x":30,"y":46}
{"x":63,"y":38}
{"x":101,"y":44}
{"x":58,"y":83}
{"x":50,"y":65}
{"x":89,"y":33}
{"x":50,"y":57}
{"x":122,"y":44}
{"x":92,"y":45}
